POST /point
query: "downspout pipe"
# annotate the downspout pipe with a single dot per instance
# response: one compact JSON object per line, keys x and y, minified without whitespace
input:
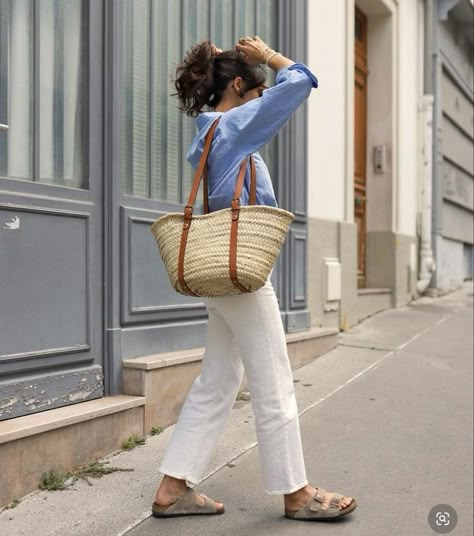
{"x":427,"y":263}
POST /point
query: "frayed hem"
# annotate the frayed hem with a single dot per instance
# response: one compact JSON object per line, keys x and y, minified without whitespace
{"x":180,"y":476}
{"x":287,"y":491}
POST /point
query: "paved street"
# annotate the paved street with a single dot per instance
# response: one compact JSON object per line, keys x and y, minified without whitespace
{"x":386,"y":418}
{"x":389,"y":422}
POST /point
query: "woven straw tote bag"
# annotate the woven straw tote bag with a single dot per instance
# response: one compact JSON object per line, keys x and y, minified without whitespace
{"x":226,"y":252}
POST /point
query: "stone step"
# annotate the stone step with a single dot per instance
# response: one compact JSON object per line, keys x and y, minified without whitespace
{"x":62,"y":439}
{"x":371,"y":301}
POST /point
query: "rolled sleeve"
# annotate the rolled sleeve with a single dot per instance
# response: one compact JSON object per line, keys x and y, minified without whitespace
{"x":250,"y":126}
{"x":301,"y":67}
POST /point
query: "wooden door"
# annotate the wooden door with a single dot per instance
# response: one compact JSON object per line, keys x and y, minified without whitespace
{"x":360,"y":140}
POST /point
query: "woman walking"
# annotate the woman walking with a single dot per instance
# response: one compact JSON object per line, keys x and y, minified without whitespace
{"x":245,"y":330}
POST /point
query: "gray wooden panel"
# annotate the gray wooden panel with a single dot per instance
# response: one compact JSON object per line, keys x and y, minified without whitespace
{"x":299,"y":179}
{"x":292,"y":177}
{"x":458,"y":223}
{"x":457,"y":52}
{"x":457,"y":106}
{"x":49,"y":390}
{"x":146,"y":290}
{"x":457,"y":147}
{"x":298,"y":294}
{"x":458,"y":186}
{"x":44,"y":282}
{"x":167,"y":337}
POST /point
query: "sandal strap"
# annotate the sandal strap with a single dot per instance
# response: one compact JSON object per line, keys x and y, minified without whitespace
{"x":319,"y":495}
{"x":187,"y":504}
{"x":336,"y":500}
{"x":211,"y":503}
{"x":317,"y":503}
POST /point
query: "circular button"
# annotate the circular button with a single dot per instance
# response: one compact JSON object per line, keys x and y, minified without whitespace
{"x":442,"y":518}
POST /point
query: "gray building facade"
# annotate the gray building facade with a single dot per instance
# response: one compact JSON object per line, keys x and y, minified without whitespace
{"x":452,"y":84}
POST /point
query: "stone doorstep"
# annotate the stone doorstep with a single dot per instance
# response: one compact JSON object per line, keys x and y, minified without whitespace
{"x":165,"y":379}
{"x":44,"y":421}
{"x":374,"y":290}
{"x":63,"y":438}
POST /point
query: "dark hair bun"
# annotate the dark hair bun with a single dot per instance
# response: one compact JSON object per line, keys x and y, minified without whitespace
{"x":203,"y":77}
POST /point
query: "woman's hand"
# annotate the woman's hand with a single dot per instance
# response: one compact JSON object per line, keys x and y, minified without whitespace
{"x":214,"y":50}
{"x":254,"y":49}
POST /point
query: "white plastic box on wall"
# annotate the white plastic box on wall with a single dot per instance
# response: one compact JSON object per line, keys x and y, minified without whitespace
{"x":332,"y":283}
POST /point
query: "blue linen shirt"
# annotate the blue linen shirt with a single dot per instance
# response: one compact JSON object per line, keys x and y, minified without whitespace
{"x":244,"y":130}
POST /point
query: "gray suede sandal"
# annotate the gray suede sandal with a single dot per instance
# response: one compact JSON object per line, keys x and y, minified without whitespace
{"x":313,"y":510}
{"x":187,"y":506}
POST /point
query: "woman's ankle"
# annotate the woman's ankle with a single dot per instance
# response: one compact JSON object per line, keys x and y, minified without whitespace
{"x":173,"y":484}
{"x":305,"y":490}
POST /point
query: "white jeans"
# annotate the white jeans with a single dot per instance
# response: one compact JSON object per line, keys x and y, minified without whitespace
{"x":245,"y":328}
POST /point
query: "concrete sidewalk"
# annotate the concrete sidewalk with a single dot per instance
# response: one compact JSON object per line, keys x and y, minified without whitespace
{"x":386,"y":417}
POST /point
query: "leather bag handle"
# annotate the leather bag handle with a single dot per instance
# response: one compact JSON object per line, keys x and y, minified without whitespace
{"x":202,"y":173}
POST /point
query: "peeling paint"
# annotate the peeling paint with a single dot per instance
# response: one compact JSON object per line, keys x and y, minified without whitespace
{"x":6,"y":402}
{"x":13,"y":224}
{"x":50,"y":391}
{"x":78,"y":395}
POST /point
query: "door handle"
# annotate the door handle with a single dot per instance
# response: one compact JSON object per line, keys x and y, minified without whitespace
{"x":4,"y":127}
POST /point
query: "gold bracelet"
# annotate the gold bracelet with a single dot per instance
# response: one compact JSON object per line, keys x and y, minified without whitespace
{"x":268,"y":49}
{"x":270,"y":57}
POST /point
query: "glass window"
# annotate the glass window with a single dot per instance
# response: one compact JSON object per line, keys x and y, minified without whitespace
{"x":43,"y":91}
{"x":154,"y":133}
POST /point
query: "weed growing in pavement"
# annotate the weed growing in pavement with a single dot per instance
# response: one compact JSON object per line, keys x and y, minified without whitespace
{"x":54,"y":480}
{"x":14,"y":503}
{"x":133,"y":441}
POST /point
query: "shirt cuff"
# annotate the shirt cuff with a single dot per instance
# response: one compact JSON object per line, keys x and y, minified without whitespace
{"x":303,"y":69}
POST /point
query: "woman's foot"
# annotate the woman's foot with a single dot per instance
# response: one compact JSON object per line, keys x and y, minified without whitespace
{"x":297,"y":500}
{"x":172,"y":489}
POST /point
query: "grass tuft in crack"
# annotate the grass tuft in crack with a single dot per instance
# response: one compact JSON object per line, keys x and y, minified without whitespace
{"x":95,"y":469}
{"x":156,"y":430}
{"x":55,"y":480}
{"x":14,"y":503}
{"x":133,"y":441}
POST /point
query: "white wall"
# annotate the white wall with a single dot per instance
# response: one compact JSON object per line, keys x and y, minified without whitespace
{"x":330,"y":112}
{"x":327,"y":109}
{"x":381,"y":107}
{"x":409,"y":100}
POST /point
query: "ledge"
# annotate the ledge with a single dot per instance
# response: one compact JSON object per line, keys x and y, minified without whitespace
{"x":312,"y":333}
{"x":180,"y":357}
{"x":374,"y":291}
{"x":52,"y":419}
{"x":168,"y":359}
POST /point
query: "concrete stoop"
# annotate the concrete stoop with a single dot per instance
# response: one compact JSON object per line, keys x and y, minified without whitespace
{"x":371,"y":301}
{"x":62,"y":439}
{"x":165,"y":379}
{"x":155,"y":388}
